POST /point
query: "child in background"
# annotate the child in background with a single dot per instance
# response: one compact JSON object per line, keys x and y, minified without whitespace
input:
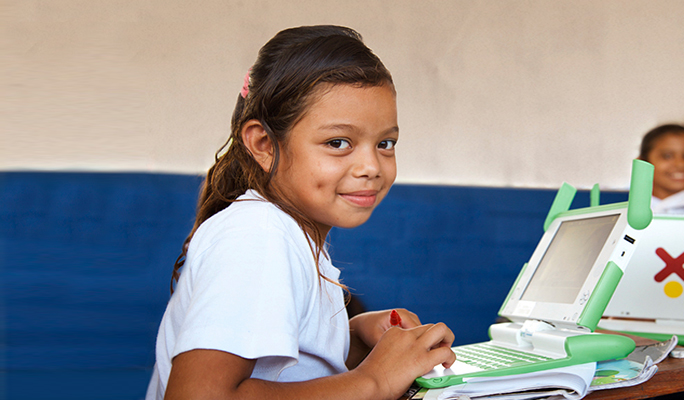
{"x":258,"y":310}
{"x":663,"y":147}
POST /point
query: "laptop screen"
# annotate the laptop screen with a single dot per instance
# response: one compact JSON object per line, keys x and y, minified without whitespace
{"x":568,"y":260}
{"x":565,"y":270}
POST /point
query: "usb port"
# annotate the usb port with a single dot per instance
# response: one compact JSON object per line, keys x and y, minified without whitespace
{"x":629,"y":239}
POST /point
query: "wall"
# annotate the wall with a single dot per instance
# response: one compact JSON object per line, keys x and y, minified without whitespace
{"x":523,"y":93}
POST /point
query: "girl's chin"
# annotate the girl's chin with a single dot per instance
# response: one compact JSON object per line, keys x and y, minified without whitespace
{"x":352,"y":223}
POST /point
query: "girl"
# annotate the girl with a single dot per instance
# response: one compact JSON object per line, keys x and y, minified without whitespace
{"x":258,"y":311}
{"x":663,"y":147}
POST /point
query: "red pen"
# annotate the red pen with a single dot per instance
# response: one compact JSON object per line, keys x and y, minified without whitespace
{"x":395,"y":319}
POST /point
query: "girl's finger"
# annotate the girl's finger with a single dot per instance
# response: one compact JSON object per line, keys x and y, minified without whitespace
{"x":409,"y":319}
{"x":437,"y":335}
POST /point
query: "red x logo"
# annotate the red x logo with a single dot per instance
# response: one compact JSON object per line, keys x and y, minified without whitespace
{"x":673,"y":265}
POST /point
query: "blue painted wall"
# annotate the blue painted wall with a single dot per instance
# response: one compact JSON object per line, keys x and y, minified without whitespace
{"x":85,"y":262}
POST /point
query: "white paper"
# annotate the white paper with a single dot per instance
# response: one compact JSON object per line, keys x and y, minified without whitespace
{"x":569,"y":382}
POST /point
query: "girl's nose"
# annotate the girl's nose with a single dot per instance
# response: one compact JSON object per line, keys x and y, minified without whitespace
{"x":679,"y":162}
{"x":366,"y":164}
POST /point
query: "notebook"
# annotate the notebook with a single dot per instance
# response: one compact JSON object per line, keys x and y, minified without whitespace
{"x":650,"y":297}
{"x":559,"y":296}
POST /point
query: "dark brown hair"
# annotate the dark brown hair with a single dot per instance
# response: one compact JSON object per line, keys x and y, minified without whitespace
{"x":649,"y":140}
{"x":283,"y":83}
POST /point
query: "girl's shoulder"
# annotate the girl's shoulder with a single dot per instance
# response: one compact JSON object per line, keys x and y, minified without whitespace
{"x":673,"y":204}
{"x":250,"y":215}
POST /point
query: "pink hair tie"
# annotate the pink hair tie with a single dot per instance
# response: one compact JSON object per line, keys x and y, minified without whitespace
{"x":245,"y":86}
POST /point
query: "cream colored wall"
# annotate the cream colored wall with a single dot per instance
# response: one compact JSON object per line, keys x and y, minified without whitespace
{"x":492,"y":92}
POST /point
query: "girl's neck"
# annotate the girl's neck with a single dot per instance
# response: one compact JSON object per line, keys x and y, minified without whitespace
{"x":323,"y":229}
{"x":662,"y":194}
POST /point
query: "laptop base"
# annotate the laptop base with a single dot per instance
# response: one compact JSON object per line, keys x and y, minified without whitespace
{"x":563,"y":348}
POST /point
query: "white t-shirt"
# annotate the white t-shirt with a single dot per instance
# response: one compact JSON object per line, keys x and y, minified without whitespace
{"x":673,"y":204}
{"x":250,"y":287}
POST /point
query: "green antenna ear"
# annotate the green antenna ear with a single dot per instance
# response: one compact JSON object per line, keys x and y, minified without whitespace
{"x":561,"y":203}
{"x":639,"y":214}
{"x":595,"y":196}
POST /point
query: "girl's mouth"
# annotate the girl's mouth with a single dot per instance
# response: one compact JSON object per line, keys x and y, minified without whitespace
{"x":362,"y":199}
{"x":678,"y":176}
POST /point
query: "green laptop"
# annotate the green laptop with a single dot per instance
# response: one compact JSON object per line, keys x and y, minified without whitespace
{"x":560,"y":294}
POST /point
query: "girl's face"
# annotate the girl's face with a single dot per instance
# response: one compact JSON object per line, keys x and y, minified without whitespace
{"x":338,"y":161}
{"x":667,"y":156}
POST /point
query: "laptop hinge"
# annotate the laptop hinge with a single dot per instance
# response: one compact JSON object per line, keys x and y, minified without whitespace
{"x":531,"y":326}
{"x":534,"y":335}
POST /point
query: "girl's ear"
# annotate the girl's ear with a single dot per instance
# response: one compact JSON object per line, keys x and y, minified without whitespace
{"x":258,"y":143}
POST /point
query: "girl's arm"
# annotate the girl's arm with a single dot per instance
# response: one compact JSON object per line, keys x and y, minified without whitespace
{"x":398,"y":358}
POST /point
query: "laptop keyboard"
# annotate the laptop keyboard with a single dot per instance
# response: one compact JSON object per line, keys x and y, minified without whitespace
{"x":488,"y":356}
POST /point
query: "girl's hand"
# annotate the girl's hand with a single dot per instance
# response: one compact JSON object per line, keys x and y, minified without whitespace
{"x":402,"y":355}
{"x":366,"y":329}
{"x":370,"y":326}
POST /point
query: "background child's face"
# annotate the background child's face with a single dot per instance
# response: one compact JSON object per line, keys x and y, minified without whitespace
{"x":338,"y":161}
{"x":668,"y":158}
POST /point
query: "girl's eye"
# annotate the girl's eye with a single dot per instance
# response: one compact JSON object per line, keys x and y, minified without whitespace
{"x":387,"y":144}
{"x":339,"y":144}
{"x":665,"y":156}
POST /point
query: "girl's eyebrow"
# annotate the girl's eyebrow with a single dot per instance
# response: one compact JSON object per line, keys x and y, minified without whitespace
{"x":394,"y":129}
{"x":337,"y":127}
{"x":350,"y":127}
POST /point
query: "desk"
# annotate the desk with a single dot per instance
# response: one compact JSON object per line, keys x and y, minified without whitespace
{"x":669,"y":379}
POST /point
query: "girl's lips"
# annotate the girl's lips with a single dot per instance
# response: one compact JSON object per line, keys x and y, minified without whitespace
{"x":362,"y":199}
{"x":676,"y":178}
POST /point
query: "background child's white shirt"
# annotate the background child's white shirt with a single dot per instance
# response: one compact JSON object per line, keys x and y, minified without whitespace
{"x":250,"y":287}
{"x":673,"y":204}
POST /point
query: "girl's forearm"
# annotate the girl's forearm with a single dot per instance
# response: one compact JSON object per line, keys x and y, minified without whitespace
{"x":358,"y":351}
{"x":212,"y":374}
{"x":352,"y":385}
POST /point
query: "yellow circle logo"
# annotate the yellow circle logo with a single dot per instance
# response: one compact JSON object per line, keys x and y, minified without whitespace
{"x":673,"y":289}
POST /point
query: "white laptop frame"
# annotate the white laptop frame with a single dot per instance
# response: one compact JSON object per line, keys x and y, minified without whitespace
{"x":617,"y":249}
